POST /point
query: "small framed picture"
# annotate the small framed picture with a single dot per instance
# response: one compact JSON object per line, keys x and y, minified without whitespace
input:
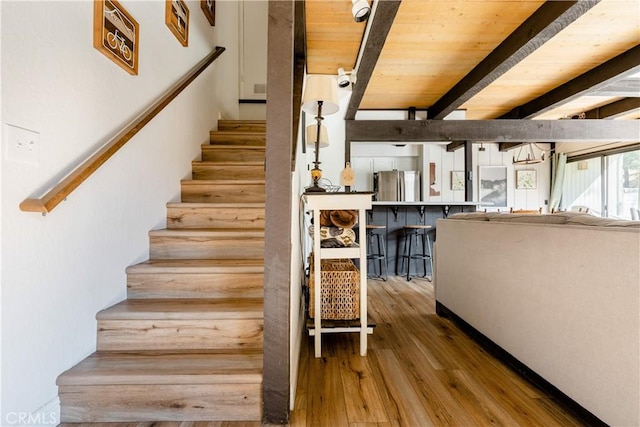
{"x":115,"y":34}
{"x":177,"y":19}
{"x":526,"y":179}
{"x":209,"y":9}
{"x":457,"y":180}
{"x":493,"y":186}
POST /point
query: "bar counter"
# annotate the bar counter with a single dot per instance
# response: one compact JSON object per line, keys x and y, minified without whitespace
{"x":395,"y":215}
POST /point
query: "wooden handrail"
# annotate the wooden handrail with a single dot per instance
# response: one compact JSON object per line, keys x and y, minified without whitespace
{"x":62,"y":189}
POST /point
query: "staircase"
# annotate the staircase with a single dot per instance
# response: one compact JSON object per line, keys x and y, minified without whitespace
{"x":186,"y":344}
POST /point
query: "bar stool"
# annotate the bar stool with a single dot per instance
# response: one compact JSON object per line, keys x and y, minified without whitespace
{"x":414,"y":237}
{"x":377,"y":254}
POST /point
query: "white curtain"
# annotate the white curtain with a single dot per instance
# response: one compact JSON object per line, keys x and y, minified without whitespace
{"x":557,"y":180}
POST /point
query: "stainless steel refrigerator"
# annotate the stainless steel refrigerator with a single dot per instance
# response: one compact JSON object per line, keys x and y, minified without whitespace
{"x":397,"y":186}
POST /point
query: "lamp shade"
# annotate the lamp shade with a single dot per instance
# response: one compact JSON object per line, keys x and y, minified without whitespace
{"x":312,"y":133}
{"x":320,"y":88}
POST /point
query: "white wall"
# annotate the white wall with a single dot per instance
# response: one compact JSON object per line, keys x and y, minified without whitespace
{"x":58,"y":271}
{"x":253,"y":49}
{"x":370,"y":157}
{"x":227,"y":35}
{"x":331,"y":157}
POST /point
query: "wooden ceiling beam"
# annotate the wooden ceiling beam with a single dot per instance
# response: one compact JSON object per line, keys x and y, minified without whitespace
{"x":455,"y":145}
{"x":550,"y":18}
{"x":620,"y":89}
{"x":520,"y":131}
{"x":618,"y":68}
{"x":614,"y":109}
{"x":506,"y":146}
{"x":379,"y":27}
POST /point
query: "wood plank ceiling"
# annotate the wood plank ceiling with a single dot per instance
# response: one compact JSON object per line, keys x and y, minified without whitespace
{"x":492,"y":58}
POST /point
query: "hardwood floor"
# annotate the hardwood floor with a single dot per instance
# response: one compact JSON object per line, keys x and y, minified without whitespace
{"x":420,"y":370}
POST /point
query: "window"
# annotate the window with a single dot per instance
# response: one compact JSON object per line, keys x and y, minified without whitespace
{"x":583,"y":186}
{"x":606,"y":183}
{"x":623,"y":173}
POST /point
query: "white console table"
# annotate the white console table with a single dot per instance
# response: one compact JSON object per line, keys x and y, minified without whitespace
{"x":339,"y":201}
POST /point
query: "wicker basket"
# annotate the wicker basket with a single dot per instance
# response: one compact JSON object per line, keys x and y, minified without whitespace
{"x":340,"y":291}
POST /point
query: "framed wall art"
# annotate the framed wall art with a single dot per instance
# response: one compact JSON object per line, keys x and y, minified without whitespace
{"x":209,"y":9}
{"x":526,"y":179}
{"x":177,"y":19}
{"x":493,"y":186}
{"x":457,"y":180}
{"x":115,"y":34}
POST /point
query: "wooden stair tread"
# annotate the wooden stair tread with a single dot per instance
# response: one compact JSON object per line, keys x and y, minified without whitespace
{"x":242,"y":121}
{"x":166,"y":367}
{"x":209,"y":233}
{"x":235,"y":147}
{"x":240,"y":205}
{"x":184,"y":309}
{"x":226,"y":163}
{"x":237,"y":133}
{"x":223,"y":182}
{"x":200,"y":266}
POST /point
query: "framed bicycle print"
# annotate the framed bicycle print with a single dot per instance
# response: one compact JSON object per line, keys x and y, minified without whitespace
{"x":115,"y":34}
{"x":209,"y":9}
{"x":177,"y":19}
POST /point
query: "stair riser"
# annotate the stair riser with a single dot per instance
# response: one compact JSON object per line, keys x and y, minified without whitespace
{"x":234,"y":126}
{"x":190,"y":334}
{"x":240,"y":139}
{"x":176,"y":285}
{"x":227,"y":172}
{"x":209,"y":217}
{"x":130,"y":403}
{"x":232,"y":154}
{"x":181,"y":247}
{"x":223,"y":193}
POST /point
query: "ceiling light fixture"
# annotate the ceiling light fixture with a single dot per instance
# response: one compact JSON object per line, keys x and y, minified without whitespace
{"x":530,"y":159}
{"x":345,"y":78}
{"x":360,"y":10}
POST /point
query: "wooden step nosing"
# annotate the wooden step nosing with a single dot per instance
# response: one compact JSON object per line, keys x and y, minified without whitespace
{"x":234,"y":132}
{"x":140,"y":379}
{"x":239,"y":270}
{"x":238,"y":182}
{"x":184,"y":307}
{"x":166,"y":367}
{"x":215,"y":163}
{"x":197,"y":266}
{"x":234,"y":147}
{"x":217,"y":205}
{"x":199,"y":315}
{"x":218,"y":233}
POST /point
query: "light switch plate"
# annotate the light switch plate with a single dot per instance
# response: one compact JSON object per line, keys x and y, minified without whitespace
{"x":22,"y":145}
